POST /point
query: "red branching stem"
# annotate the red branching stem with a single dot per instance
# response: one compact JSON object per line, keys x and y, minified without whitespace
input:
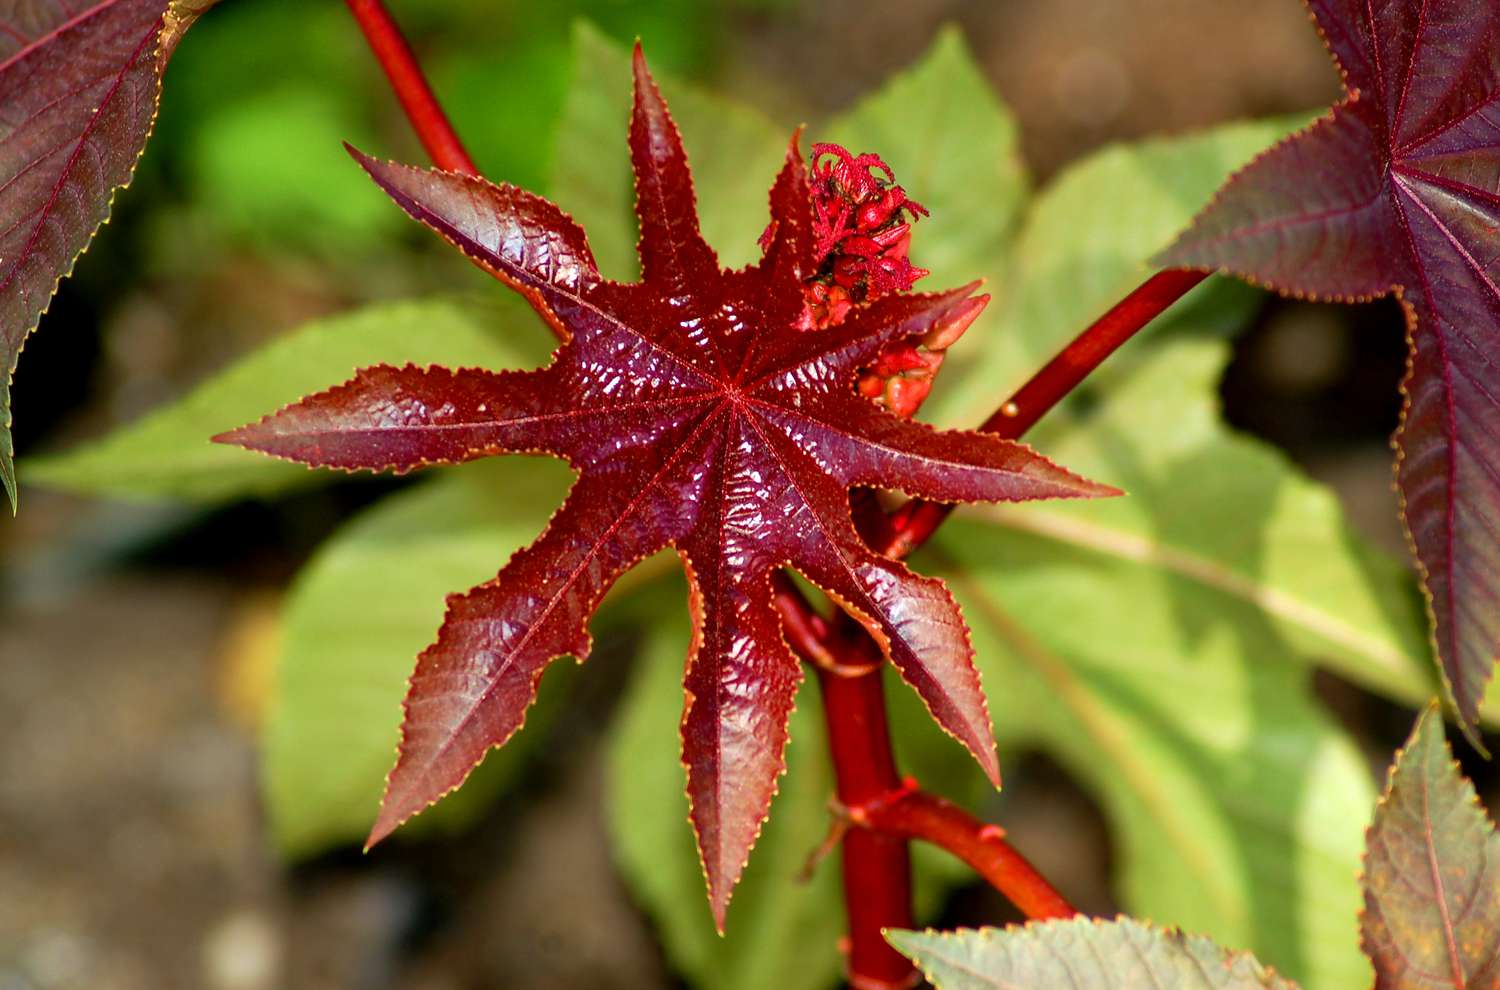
{"x":914,"y":522}
{"x":914,"y":814}
{"x":876,"y":864}
{"x":416,"y":96}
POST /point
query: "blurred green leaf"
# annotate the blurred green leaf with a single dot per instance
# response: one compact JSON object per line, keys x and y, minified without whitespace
{"x":167,"y":453}
{"x":734,"y":152}
{"x":272,"y":167}
{"x":1082,"y":954}
{"x":512,"y":139}
{"x":356,"y":619}
{"x":1082,"y":247}
{"x":955,"y":149}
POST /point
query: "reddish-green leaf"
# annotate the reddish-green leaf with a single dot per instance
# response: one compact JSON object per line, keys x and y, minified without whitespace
{"x":1398,"y":189}
{"x":1432,"y":875}
{"x":698,"y":418}
{"x":79,"y":83}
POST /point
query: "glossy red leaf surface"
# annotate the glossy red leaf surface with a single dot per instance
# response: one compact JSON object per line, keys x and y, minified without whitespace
{"x":79,"y":85}
{"x":1398,"y":190}
{"x":1432,"y":875}
{"x":697,"y":417}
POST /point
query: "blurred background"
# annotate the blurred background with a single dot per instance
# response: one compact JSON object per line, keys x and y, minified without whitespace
{"x":132,"y":852}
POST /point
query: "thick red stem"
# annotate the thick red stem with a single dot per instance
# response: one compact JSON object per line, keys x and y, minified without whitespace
{"x":913,"y":523}
{"x":401,"y":68}
{"x":915,"y":814}
{"x":876,"y":865}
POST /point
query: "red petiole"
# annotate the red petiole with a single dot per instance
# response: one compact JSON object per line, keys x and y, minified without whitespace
{"x":400,"y":64}
{"x":884,"y":811}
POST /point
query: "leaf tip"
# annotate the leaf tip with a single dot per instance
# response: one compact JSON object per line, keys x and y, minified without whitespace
{"x":641,"y":70}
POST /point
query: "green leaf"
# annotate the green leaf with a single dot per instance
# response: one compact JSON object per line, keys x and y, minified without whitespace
{"x":1160,"y":645}
{"x":734,"y":152}
{"x":781,"y":932}
{"x":1432,"y":874}
{"x":1082,"y":247}
{"x":512,"y":138}
{"x":1080,"y":954}
{"x":955,"y":149}
{"x":356,"y":619}
{"x":267,"y":167}
{"x":167,"y":453}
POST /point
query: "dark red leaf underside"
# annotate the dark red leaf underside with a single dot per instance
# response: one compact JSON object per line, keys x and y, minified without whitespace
{"x":1432,"y":875}
{"x":696,"y":418}
{"x":78,"y":91}
{"x":1398,"y":189}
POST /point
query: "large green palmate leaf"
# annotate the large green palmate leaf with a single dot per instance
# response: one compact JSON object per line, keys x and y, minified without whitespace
{"x":1161,"y":645}
{"x":1214,"y":581}
{"x":1179,"y":694}
{"x":1082,"y":954}
{"x":358,"y":614}
{"x":167,"y":453}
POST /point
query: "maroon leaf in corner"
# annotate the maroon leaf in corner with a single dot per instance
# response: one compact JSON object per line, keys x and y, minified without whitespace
{"x":1398,"y":189}
{"x":1432,"y":875}
{"x":697,"y":417}
{"x":78,"y":87}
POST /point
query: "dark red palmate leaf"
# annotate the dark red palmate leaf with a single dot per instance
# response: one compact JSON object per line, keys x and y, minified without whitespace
{"x":697,"y":417}
{"x":79,"y":84}
{"x":1432,"y":875}
{"x":1398,"y":189}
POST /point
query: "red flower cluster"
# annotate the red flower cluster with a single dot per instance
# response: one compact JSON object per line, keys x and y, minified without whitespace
{"x":862,"y":225}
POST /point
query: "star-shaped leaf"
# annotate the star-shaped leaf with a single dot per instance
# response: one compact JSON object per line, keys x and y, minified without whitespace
{"x":1398,"y":190}
{"x":1432,"y":875}
{"x":79,"y":84}
{"x":697,"y":417}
